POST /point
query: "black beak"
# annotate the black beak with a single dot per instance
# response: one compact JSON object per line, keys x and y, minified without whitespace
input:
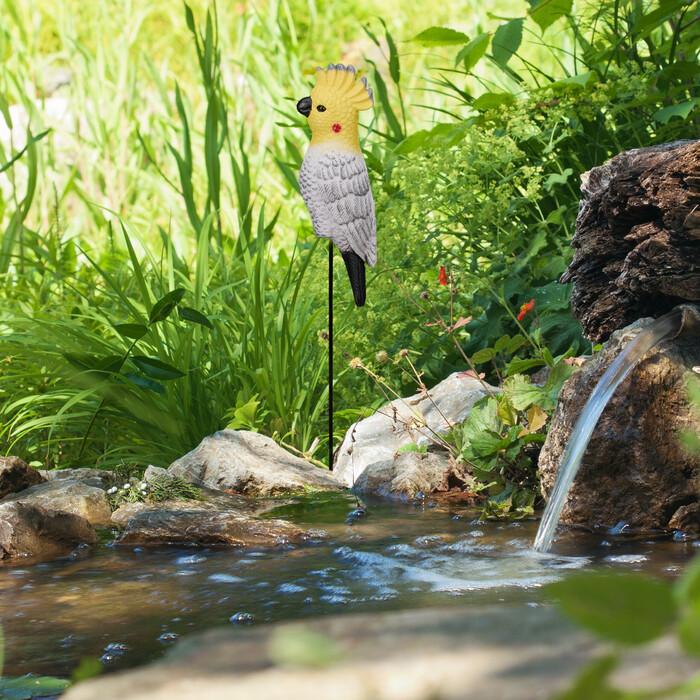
{"x":304,"y":106}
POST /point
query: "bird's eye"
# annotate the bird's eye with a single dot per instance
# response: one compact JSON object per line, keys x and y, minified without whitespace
{"x":321,"y":108}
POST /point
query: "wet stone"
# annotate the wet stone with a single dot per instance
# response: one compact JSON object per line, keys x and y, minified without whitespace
{"x":168,"y":637}
{"x":242,"y":618}
{"x":197,"y":527}
{"x":16,"y":475}
{"x":69,"y":496}
{"x":27,"y":530}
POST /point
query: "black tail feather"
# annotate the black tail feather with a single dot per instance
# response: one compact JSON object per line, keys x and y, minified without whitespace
{"x":356,"y":271}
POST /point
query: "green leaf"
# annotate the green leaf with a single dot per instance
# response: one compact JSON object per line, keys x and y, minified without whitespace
{"x":492,"y":100}
{"x":440,"y":136}
{"x":521,"y":393}
{"x":502,"y":343}
{"x":19,"y":154}
{"x":506,"y":41}
{"x":27,"y":687}
{"x":593,"y":682}
{"x":523,"y":498}
{"x":189,"y":17}
{"x":687,"y":594}
{"x":440,"y":36}
{"x":131,"y":330}
{"x":580,"y":79}
{"x":516,"y":342}
{"x":545,"y":12}
{"x":411,"y":447}
{"x":516,"y":366}
{"x":472,"y":53}
{"x":297,"y":646}
{"x":559,"y":374}
{"x":507,"y":412}
{"x":682,"y":110}
{"x":394,"y":70}
{"x":194,"y":316}
{"x":622,"y":607}
{"x":156,"y":369}
{"x":689,"y":628}
{"x":165,"y":305}
{"x":145,"y":382}
{"x":558,"y":179}
{"x":484,"y":416}
{"x":89,"y":667}
{"x":484,"y":355}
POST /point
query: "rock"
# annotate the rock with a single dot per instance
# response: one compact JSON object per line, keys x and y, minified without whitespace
{"x":213,"y":501}
{"x":154,"y":472}
{"x":251,"y":464}
{"x":637,"y":237}
{"x":404,"y":421}
{"x":201,"y":527}
{"x":512,"y":652}
{"x":99,"y":478}
{"x":70,"y":497}
{"x":16,"y":475}
{"x":28,"y":530}
{"x":407,"y":475}
{"x":635,"y":468}
{"x":686,"y":518}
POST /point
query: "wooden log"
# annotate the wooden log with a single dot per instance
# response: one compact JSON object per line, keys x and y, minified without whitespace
{"x":637,"y":238}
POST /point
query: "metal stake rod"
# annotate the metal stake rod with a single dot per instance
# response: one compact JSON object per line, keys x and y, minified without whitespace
{"x":330,"y":355}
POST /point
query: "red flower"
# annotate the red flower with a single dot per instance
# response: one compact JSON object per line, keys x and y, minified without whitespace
{"x":442,"y":277}
{"x":527,"y":306}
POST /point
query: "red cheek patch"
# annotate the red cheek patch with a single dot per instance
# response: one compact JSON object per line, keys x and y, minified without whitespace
{"x":337,"y":128}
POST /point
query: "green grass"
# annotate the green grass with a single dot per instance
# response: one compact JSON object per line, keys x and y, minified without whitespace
{"x":173,"y":172}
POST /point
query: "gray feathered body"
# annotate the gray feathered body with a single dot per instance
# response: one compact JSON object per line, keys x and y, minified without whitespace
{"x":336,"y":190}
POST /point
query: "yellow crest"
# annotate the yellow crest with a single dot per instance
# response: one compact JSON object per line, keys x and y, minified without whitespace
{"x":338,"y":82}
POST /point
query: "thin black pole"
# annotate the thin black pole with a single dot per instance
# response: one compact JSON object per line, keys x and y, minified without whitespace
{"x":330,"y":355}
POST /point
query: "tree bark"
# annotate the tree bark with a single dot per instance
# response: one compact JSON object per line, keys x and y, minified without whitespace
{"x":637,"y":238}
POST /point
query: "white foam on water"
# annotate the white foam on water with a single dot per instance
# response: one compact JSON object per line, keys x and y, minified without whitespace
{"x":457,"y":567}
{"x":225,"y":578}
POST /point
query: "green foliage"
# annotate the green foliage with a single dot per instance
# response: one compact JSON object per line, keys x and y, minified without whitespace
{"x":629,"y":609}
{"x":302,"y":647}
{"x":412,"y":447}
{"x":497,"y":439}
{"x":30,"y":686}
{"x":136,"y":355}
{"x":690,"y":438}
{"x":155,"y":490}
{"x":166,"y":488}
{"x":622,"y":607}
{"x":483,"y":181}
{"x":492,"y":192}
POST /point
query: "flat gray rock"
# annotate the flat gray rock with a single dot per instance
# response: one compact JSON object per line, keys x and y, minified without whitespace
{"x":407,"y":420}
{"x":202,"y":527}
{"x":251,"y":464}
{"x":99,"y":478}
{"x":17,"y":475}
{"x":154,"y":472}
{"x":509,"y":652}
{"x":68,"y":496}
{"x":407,"y":475}
{"x":27,"y":530}
{"x":213,"y":501}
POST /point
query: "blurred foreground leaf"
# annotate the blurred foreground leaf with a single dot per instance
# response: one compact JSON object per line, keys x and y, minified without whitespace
{"x":622,"y":607}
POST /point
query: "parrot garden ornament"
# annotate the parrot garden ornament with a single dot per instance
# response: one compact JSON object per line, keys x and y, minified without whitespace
{"x":333,"y":178}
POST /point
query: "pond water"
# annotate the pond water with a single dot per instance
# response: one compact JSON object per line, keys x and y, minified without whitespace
{"x":127,"y":605}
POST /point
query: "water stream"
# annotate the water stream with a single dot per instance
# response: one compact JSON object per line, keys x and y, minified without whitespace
{"x":127,"y":605}
{"x":658,"y":331}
